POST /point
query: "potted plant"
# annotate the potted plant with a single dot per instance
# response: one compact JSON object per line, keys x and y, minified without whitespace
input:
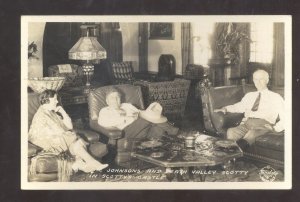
{"x":229,"y":37}
{"x":33,"y":60}
{"x":227,"y":42}
{"x":32,"y":51}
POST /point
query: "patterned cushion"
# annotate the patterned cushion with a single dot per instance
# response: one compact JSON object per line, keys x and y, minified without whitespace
{"x":172,"y":95}
{"x":122,"y":71}
{"x":46,"y":164}
{"x":73,"y":79}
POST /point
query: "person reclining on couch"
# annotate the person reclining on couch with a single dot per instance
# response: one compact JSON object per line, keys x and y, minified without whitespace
{"x":51,"y":129}
{"x":135,"y":123}
{"x":261,"y":110}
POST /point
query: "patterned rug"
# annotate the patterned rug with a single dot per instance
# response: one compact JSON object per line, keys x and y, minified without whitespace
{"x":241,"y":172}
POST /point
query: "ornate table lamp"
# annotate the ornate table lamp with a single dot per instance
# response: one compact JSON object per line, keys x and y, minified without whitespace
{"x":87,"y":49}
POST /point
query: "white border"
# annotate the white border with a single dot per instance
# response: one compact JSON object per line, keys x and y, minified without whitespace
{"x":287,"y":184}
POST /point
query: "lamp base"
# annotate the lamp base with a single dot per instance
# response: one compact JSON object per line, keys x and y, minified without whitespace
{"x":87,"y":90}
{"x":88,"y":70}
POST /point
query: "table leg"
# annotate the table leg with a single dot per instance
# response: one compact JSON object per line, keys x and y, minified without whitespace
{"x":190,"y":174}
{"x":169,"y":174}
{"x":178,"y":174}
{"x":228,"y":166}
{"x":203,"y":177}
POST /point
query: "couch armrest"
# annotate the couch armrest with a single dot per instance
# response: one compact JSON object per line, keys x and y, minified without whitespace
{"x":33,"y":149}
{"x":111,"y":134}
{"x":223,"y":121}
{"x":88,"y":135}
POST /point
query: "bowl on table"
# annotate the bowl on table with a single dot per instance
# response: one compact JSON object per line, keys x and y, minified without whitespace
{"x":40,"y":84}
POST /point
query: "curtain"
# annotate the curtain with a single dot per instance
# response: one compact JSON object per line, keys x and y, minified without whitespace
{"x":58,"y":39}
{"x":278,"y":58}
{"x":143,"y":47}
{"x":186,"y":45}
{"x":111,"y":39}
{"x":240,"y":70}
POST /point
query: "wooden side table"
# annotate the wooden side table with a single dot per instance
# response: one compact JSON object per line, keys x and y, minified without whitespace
{"x":75,"y":102}
{"x":76,"y":95}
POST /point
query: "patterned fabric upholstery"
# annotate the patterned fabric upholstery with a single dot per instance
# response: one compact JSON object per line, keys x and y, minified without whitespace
{"x":172,"y":95}
{"x":122,"y":72}
{"x":73,"y":79}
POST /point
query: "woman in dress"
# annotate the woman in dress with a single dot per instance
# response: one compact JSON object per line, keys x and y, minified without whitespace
{"x":52,"y":130}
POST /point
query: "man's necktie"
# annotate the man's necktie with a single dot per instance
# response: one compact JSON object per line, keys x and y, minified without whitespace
{"x":256,"y":103}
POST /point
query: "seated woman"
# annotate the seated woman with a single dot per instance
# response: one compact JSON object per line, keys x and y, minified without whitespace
{"x":51,"y":129}
{"x":135,"y":123}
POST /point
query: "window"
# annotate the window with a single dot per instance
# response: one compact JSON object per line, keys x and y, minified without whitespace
{"x":261,"y":48}
{"x":201,"y":45}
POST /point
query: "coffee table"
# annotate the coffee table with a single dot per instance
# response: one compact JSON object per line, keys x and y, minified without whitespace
{"x":171,"y":153}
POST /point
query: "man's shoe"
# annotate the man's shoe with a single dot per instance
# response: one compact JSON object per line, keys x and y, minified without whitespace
{"x":243,"y":144}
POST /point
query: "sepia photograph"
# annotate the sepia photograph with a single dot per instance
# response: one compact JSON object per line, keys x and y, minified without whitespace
{"x":156,"y":102}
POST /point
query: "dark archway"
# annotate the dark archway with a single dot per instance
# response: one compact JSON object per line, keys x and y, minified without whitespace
{"x":59,"y":38}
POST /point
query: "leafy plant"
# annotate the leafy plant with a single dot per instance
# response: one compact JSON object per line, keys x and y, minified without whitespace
{"x":32,"y":50}
{"x":228,"y":38}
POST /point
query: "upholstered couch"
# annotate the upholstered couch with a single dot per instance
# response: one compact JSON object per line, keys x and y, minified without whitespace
{"x":119,"y":146}
{"x":46,"y":167}
{"x":268,"y":148}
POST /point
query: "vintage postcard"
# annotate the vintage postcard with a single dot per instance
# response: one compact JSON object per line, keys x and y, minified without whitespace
{"x":156,"y":102}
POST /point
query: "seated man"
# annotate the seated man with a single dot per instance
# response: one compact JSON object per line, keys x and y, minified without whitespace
{"x":136,"y":124}
{"x":261,"y":110}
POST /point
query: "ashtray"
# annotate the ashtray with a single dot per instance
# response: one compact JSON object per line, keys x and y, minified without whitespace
{"x":204,"y":146}
{"x":176,"y":147}
{"x":189,"y":158}
{"x":157,"y":154}
{"x":225,"y":143}
{"x":219,"y":153}
{"x":151,"y":144}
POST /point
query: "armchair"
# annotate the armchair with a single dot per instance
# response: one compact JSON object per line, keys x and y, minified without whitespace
{"x":268,"y":148}
{"x":118,"y":145}
{"x":122,"y":72}
{"x":46,"y":167}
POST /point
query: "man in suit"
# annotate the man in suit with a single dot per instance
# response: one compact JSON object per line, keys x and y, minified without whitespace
{"x":263,"y":112}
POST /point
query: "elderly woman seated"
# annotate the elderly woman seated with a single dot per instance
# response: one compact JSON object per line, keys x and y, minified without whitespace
{"x":135,"y":123}
{"x":51,"y":129}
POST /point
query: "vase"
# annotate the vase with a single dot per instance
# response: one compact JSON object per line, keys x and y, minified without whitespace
{"x":166,"y":68}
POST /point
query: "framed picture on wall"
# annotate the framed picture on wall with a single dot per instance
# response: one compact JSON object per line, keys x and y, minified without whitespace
{"x":161,"y":31}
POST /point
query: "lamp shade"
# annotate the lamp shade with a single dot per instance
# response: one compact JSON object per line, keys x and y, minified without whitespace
{"x":87,"y":48}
